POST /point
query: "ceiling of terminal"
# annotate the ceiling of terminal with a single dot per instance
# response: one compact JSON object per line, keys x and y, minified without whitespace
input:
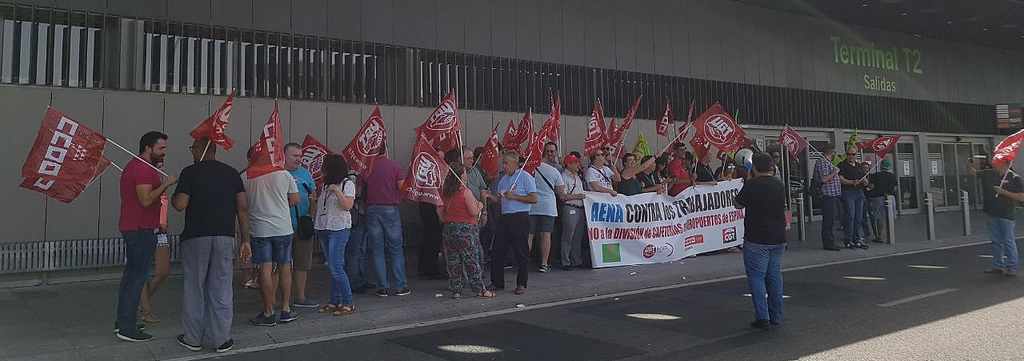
{"x":996,"y":23}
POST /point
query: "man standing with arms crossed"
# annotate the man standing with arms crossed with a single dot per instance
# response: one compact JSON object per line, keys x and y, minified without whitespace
{"x":302,"y":249}
{"x":212,"y":196}
{"x":141,"y":189}
{"x":270,"y":197}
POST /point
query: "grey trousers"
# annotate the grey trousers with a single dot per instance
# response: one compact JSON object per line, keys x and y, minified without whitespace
{"x":207,"y":308}
{"x":574,"y":229}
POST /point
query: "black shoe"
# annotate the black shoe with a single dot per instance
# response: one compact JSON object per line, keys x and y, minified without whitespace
{"x":849,"y":245}
{"x":761,"y":324}
{"x":566,"y":268}
{"x":995,"y":271}
{"x":833,"y":248}
{"x":383,"y":292}
{"x":860,"y":245}
{"x":774,"y":323}
{"x":264,"y":320}
{"x":493,"y":287}
{"x":403,"y":292}
{"x":137,"y":336}
{"x":288,"y":316}
{"x":193,"y":348}
{"x":141,"y":326}
{"x":226,"y":346}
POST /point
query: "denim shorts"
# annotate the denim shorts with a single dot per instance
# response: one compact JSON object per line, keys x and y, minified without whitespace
{"x":272,"y":250}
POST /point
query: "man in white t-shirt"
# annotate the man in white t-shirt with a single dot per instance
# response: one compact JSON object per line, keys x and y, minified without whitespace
{"x":543,"y":213}
{"x":270,"y":197}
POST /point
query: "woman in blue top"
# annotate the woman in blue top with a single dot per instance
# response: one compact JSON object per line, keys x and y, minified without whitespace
{"x":516,"y":192}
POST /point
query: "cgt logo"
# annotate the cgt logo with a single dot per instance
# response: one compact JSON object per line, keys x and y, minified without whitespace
{"x":692,"y":241}
{"x":665,"y":250}
{"x":729,"y":235}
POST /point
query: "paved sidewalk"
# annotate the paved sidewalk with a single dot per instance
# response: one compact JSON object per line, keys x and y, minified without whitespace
{"x":73,"y":321}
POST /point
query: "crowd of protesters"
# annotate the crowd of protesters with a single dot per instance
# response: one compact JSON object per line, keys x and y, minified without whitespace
{"x":853,"y":195}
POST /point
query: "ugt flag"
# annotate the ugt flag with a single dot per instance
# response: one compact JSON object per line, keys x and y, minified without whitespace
{"x":881,"y":145}
{"x":719,"y":129}
{"x":1007,"y":150}
{"x":595,"y":130}
{"x":442,"y":127}
{"x":792,"y":141}
{"x":215,"y":127}
{"x":367,"y":145}
{"x":65,"y":157}
{"x":491,"y":156}
{"x":268,"y":154}
{"x":426,"y":174}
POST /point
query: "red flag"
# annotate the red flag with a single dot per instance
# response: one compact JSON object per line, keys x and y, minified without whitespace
{"x":619,"y":135}
{"x":792,"y":141}
{"x":535,"y":151}
{"x":491,"y":156}
{"x":881,"y":145}
{"x":65,"y":157}
{"x":215,"y":126}
{"x":689,"y":118}
{"x":595,"y":130}
{"x":666,"y":120}
{"x":611,"y":134}
{"x":426,"y":174}
{"x":313,"y":153}
{"x":719,"y":129}
{"x":700,"y":145}
{"x":508,"y":140}
{"x":442,"y":127}
{"x":551,"y":127}
{"x":367,"y":144}
{"x":1007,"y":150}
{"x":515,"y":137}
{"x":268,"y":154}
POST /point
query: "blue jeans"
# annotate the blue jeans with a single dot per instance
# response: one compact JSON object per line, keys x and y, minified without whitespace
{"x":334,"y":250}
{"x":138,"y":250}
{"x":854,"y":214}
{"x":384,"y":230}
{"x":355,"y":255}
{"x":1004,"y":243}
{"x":764,"y":276}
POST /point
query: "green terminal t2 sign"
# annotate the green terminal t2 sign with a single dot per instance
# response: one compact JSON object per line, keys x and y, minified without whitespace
{"x":871,"y":58}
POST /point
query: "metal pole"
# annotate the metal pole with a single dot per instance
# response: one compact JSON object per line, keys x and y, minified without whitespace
{"x":890,"y":218}
{"x":966,"y":208}
{"x":801,"y":221}
{"x":930,"y":205}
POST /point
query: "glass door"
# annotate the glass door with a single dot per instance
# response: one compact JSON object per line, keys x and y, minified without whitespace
{"x":906,"y":173}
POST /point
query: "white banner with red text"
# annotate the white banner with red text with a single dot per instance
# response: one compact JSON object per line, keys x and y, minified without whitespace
{"x":656,"y":228}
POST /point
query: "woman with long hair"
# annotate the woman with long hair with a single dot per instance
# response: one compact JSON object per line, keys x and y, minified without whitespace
{"x":460,"y":234}
{"x":332,"y":224}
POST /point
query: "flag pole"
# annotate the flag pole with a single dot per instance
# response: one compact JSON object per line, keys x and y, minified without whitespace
{"x":117,"y":166}
{"x":206,"y":148}
{"x":137,"y":157}
{"x":519,"y":172}
{"x":673,"y":141}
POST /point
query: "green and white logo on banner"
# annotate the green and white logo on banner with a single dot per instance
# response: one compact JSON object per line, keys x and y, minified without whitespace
{"x":611,"y":253}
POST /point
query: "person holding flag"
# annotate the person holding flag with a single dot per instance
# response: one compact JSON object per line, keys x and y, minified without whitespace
{"x":1003,"y":190}
{"x":140,"y":189}
{"x":518,"y":193}
{"x":827,"y":175}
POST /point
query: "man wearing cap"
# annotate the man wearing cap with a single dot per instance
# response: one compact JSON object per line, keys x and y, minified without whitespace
{"x":880,"y":184}
{"x":574,"y":223}
{"x":1003,"y":189}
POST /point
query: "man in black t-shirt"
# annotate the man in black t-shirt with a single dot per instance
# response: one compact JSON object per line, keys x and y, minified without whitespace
{"x":1003,"y":190}
{"x":212,"y":196}
{"x":764,"y":239}
{"x":880,"y":184}
{"x":853,"y":179}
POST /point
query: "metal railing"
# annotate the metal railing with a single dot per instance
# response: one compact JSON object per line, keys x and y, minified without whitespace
{"x":63,"y":255}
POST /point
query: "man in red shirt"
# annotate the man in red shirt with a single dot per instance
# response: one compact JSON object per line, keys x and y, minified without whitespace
{"x":677,"y":169}
{"x":141,"y":189}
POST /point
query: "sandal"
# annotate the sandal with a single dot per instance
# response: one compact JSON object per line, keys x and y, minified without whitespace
{"x":328,"y":308}
{"x":148,"y":317}
{"x":487,"y":294}
{"x":344,"y":310}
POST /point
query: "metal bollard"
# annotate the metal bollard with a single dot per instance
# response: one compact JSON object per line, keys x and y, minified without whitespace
{"x":801,"y":221}
{"x":931,"y":215}
{"x":965,"y":207}
{"x":890,"y":219}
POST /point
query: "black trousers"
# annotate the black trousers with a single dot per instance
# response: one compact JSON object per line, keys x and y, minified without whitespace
{"x":829,"y":212}
{"x":511,"y":234}
{"x":430,"y":241}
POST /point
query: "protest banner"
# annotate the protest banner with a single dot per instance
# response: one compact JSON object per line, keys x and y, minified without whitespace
{"x":656,"y":228}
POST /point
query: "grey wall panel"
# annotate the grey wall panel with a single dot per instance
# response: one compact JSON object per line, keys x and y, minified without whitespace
{"x":662,"y":37}
{"x":527,"y":17}
{"x":624,"y":32}
{"x":343,"y":120}
{"x":308,"y":118}
{"x":406,"y":119}
{"x":478,"y":26}
{"x":503,"y":28}
{"x":126,"y":117}
{"x":240,"y":131}
{"x":155,"y":9}
{"x":694,"y":34}
{"x":272,"y":15}
{"x":309,"y":17}
{"x":451,"y":24}
{"x":181,"y":113}
{"x":600,"y":34}
{"x":574,"y":30}
{"x":26,"y":106}
{"x":79,"y":219}
{"x":378,"y":20}
{"x":236,"y":13}
{"x":552,"y":35}
{"x":476,"y":127}
{"x":415,"y":23}
{"x":574,"y":130}
{"x":344,"y":19}
{"x":93,"y":5}
{"x":645,"y":41}
{"x":193,"y":11}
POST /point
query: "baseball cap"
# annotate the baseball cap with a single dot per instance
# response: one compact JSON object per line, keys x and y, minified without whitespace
{"x":569,"y":158}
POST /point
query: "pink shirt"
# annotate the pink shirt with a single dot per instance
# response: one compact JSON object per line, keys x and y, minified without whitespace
{"x":135,"y":217}
{"x":382,"y":183}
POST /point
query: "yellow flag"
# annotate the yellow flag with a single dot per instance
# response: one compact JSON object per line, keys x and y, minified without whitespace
{"x":641,"y":149}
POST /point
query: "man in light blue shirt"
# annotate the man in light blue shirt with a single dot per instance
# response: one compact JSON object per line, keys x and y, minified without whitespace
{"x":518,"y":192}
{"x":302,"y":244}
{"x":549,"y":183}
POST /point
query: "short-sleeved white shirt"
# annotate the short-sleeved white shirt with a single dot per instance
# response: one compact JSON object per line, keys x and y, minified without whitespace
{"x":547,"y":204}
{"x":602,"y":176}
{"x":329,"y":214}
{"x":269,"y":212}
